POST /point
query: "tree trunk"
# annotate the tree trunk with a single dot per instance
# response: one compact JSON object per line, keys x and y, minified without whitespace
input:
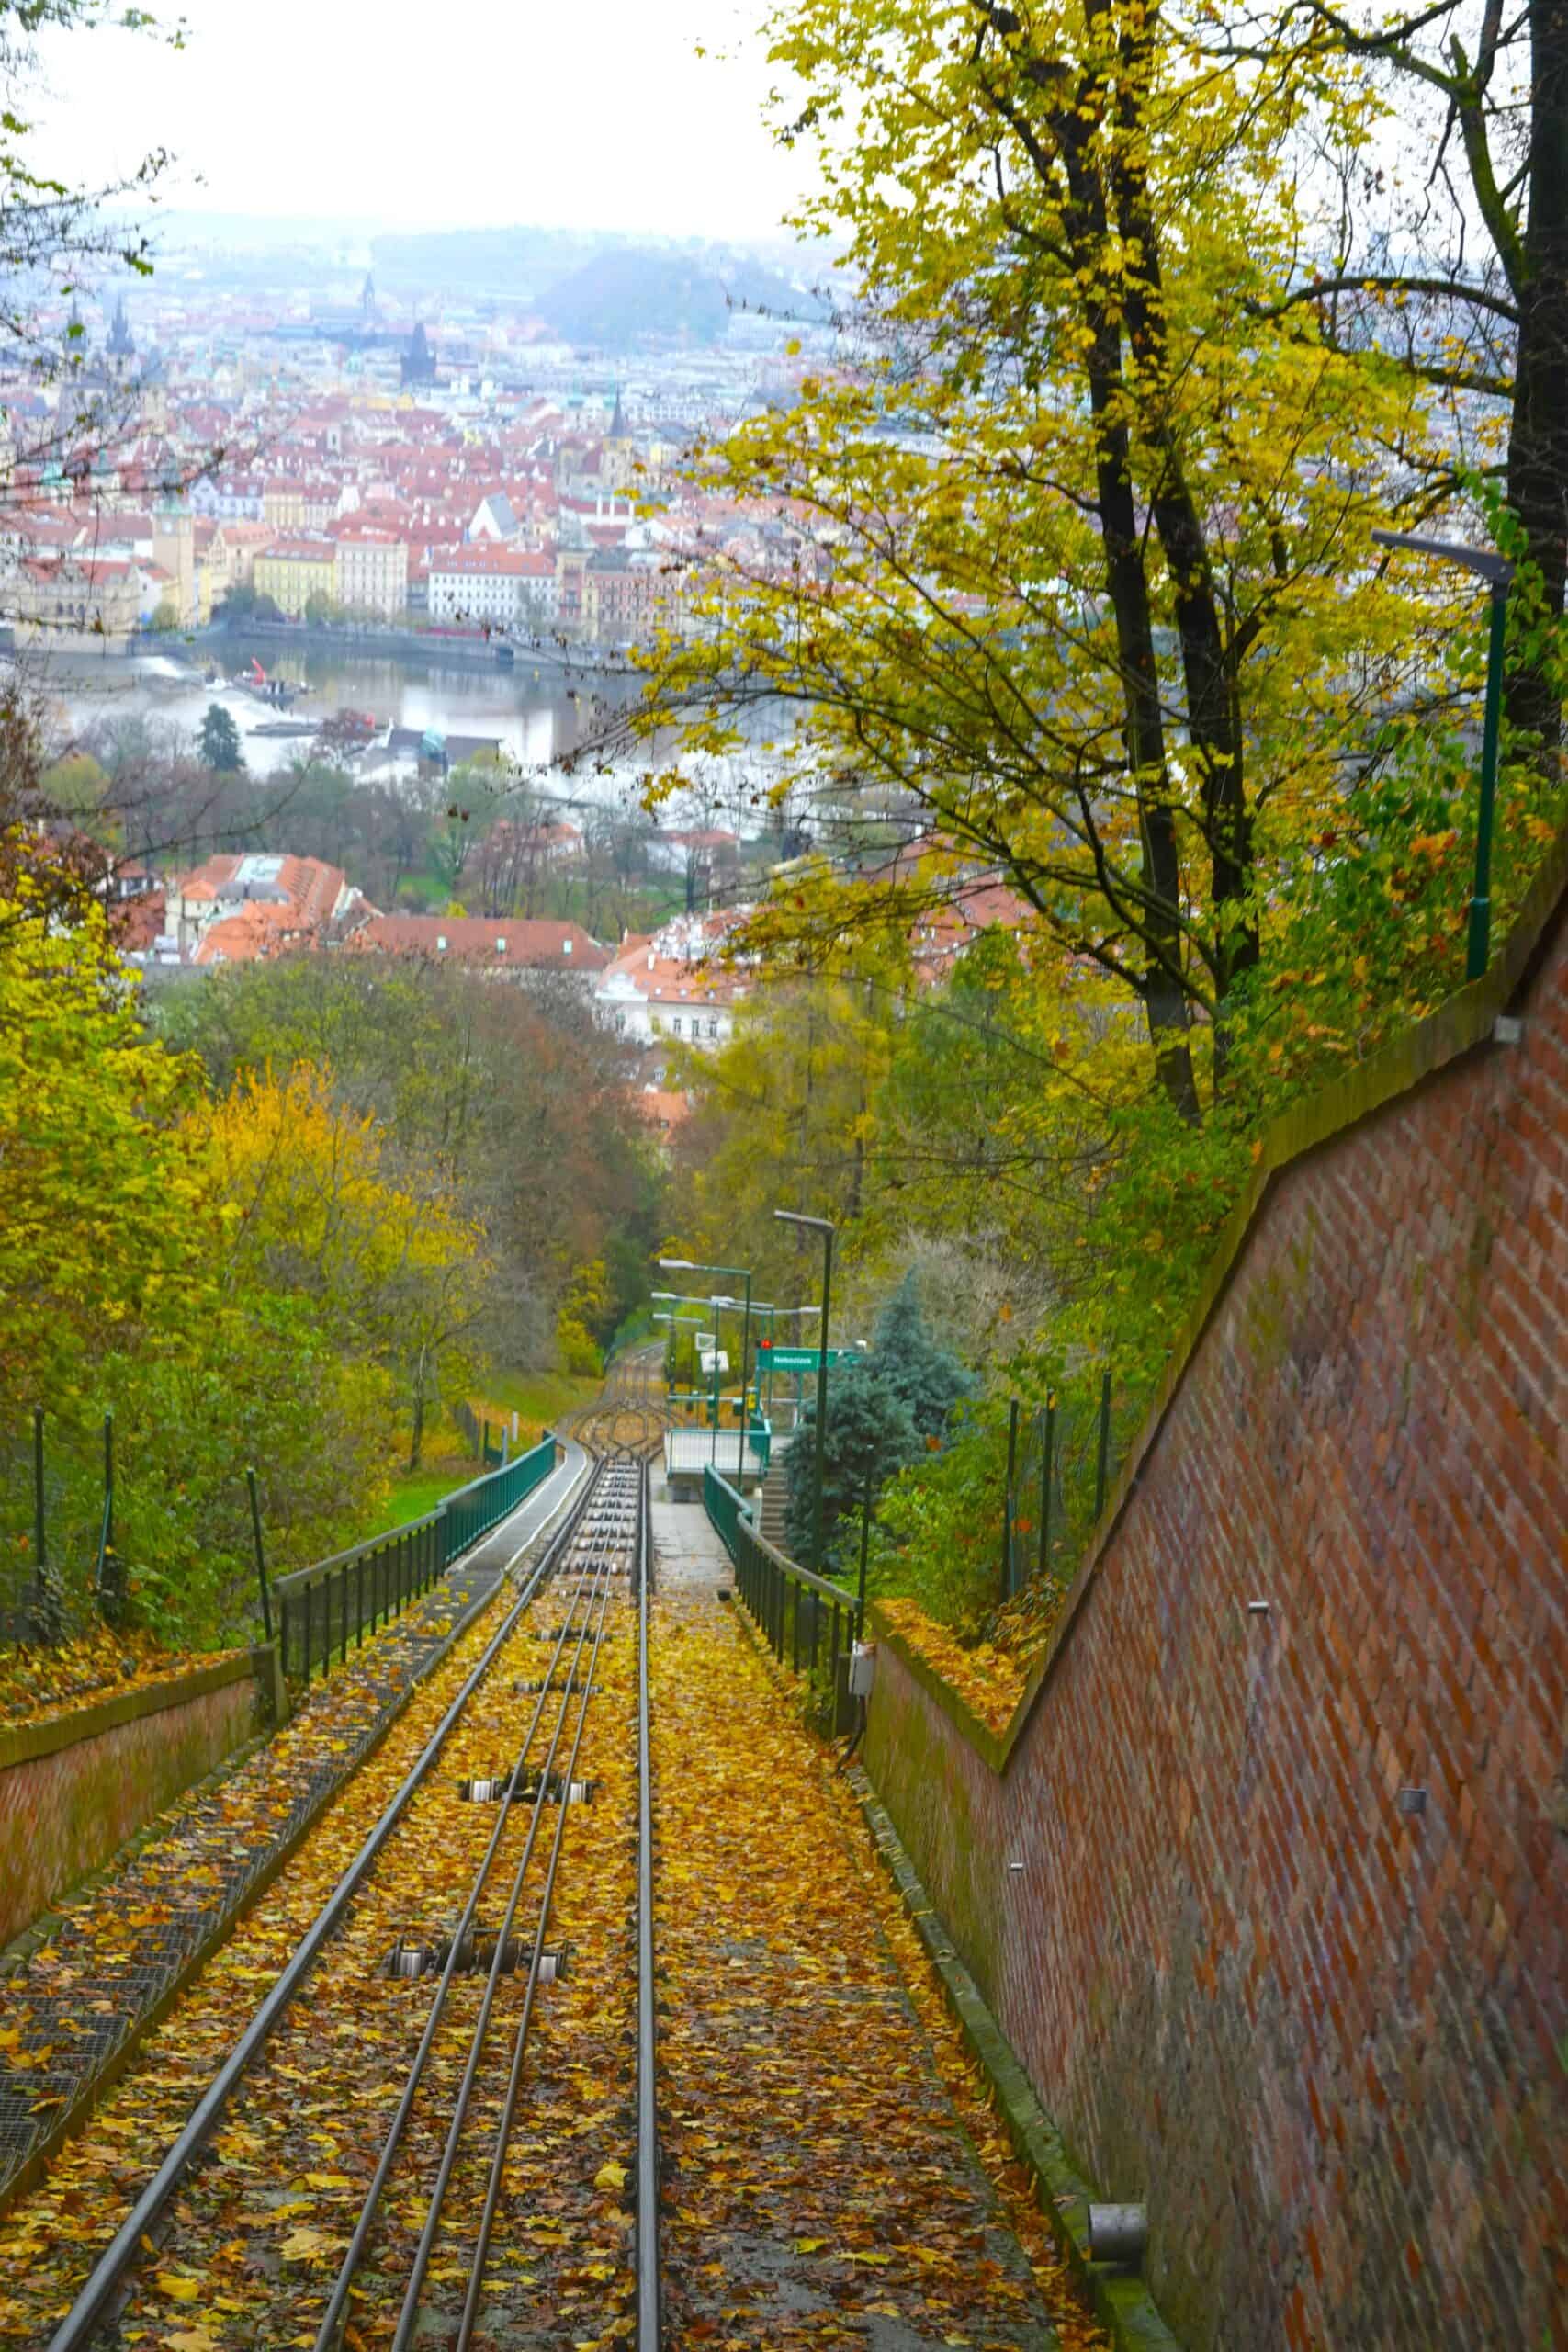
{"x":1537,"y":448}
{"x":1213,"y":703}
{"x":1164,"y":999}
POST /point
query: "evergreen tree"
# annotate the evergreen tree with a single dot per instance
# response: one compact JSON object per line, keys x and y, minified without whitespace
{"x":220,"y":741}
{"x":929,"y":1379}
{"x":871,"y":1435}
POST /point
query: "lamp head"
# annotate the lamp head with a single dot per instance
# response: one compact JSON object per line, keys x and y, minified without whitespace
{"x":1485,"y":562}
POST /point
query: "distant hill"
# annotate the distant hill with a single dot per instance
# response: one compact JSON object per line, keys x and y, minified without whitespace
{"x":514,"y":263}
{"x":625,"y":295}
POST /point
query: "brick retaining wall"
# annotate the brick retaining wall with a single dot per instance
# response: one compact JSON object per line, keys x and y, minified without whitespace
{"x":1320,"y":2024}
{"x":75,"y":1787}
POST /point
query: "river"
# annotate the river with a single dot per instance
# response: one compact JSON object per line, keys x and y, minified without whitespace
{"x":537,"y":716}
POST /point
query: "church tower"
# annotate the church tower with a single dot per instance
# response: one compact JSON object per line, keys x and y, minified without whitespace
{"x":618,"y":455}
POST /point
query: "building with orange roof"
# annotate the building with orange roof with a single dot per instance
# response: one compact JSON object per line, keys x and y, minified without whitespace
{"x":235,"y":908}
{"x":508,"y":945}
{"x":672,"y":988}
{"x":660,"y":1107}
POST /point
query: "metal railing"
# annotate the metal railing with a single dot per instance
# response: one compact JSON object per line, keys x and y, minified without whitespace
{"x":324,"y":1608}
{"x":807,"y":1622}
{"x":478,"y":1433}
{"x":1060,"y":1460}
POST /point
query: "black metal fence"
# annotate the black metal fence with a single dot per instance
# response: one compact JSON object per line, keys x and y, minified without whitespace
{"x":808,"y":1623}
{"x":1061,"y":1459}
{"x":484,"y":1447}
{"x":322,"y":1610}
{"x":60,"y":1574}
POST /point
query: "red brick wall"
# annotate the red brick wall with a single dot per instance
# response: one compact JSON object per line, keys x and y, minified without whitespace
{"x":65,"y":1812}
{"x":1327,"y":2039}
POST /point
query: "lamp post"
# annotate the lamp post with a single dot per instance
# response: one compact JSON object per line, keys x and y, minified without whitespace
{"x":823,"y":1226}
{"x":733,"y":1274}
{"x":1498,"y":572}
{"x":677,"y":1322}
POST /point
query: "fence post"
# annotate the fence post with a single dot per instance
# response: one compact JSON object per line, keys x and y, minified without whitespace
{"x":48,"y":1615}
{"x":1007,"y":1501}
{"x":108,"y":1579}
{"x":41,"y":1549}
{"x":1102,"y":1466}
{"x":261,"y":1557}
{"x":1048,"y":1456}
{"x":865,"y":1548}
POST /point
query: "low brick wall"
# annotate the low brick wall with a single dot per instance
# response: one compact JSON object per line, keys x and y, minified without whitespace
{"x":75,"y":1787}
{"x":1287,"y":1956}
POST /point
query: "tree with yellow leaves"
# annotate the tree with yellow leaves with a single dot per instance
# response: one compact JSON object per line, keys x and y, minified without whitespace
{"x":105,"y":1218}
{"x":322,"y":1205}
{"x":1069,"y":556}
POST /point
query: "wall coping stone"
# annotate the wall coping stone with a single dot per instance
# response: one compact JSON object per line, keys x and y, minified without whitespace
{"x":1458,"y":1026}
{"x":47,"y":1734}
{"x":1121,"y":2301}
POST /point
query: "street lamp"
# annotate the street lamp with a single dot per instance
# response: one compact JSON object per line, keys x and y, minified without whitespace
{"x":735,"y":1273}
{"x":823,"y":1226}
{"x":677,"y":1322}
{"x":1498,"y":572}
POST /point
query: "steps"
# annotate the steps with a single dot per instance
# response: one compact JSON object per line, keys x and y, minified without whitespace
{"x":772,"y":1496}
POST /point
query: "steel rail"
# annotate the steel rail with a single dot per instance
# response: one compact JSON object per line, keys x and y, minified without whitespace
{"x":515,"y":2079}
{"x":648,"y":2311}
{"x":408,"y":2318}
{"x":338,"y":2304}
{"x":76,"y":2328}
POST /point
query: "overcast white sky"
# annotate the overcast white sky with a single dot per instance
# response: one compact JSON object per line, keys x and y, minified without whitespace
{"x":480,"y":113}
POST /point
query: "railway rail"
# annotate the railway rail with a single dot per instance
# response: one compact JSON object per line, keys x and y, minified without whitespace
{"x":432,"y":1996}
{"x":630,"y":1413}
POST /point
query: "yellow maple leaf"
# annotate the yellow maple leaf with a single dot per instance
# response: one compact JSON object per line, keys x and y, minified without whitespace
{"x":301,"y":2245}
{"x":610,"y":2175}
{"x":184,"y":2290}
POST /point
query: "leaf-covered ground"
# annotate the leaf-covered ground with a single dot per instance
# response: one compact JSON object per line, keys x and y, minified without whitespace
{"x":988,"y":1676}
{"x":124,"y":1941}
{"x":833,"y":2172}
{"x":250,"y":2247}
{"x":54,"y":1679}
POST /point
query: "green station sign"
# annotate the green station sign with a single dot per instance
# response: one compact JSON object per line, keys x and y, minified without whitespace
{"x":769,"y":1358}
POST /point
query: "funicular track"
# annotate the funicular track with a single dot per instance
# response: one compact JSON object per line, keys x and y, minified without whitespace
{"x":432,"y":1995}
{"x":630,"y":1414}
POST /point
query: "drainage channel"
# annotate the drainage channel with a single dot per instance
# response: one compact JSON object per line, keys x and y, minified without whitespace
{"x":435,"y":2213}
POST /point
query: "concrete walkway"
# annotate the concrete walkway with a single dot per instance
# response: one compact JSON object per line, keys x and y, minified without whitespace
{"x":80,"y":1996}
{"x":688,"y":1555}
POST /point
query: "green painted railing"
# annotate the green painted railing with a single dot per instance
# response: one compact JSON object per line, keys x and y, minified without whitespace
{"x":807,"y":1622}
{"x":476,"y":1507}
{"x":324,"y":1608}
{"x":724,"y":1508}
